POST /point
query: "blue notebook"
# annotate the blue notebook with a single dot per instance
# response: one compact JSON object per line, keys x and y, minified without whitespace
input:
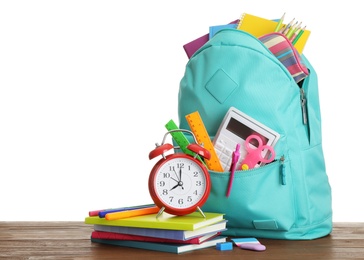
{"x":162,"y":247}
{"x":214,"y":29}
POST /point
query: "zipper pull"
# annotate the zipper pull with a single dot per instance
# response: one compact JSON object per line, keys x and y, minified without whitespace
{"x":283,"y":170}
{"x":303,"y":106}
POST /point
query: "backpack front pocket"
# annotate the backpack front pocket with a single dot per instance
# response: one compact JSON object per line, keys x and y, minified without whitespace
{"x":261,"y":198}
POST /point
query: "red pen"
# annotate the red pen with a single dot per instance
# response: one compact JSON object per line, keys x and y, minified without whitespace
{"x":234,"y":161}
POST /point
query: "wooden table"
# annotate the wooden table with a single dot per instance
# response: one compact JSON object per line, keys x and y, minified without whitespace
{"x":71,"y":240}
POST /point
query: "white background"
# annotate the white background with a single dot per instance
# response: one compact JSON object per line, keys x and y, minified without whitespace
{"x":86,"y":88}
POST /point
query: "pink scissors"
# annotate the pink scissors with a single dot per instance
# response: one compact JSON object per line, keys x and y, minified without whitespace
{"x":255,"y":156}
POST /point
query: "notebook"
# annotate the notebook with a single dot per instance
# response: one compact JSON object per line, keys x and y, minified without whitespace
{"x":191,"y":47}
{"x":191,"y":221}
{"x":214,"y":29}
{"x":259,"y":26}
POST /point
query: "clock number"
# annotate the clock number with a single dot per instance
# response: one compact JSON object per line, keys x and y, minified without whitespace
{"x":189,"y":198}
{"x":166,"y":175}
{"x":162,"y":183}
{"x":195,"y":174}
{"x":180,"y":201}
{"x":198,"y":183}
{"x":180,"y":165}
{"x":171,"y":199}
{"x":165,"y":192}
{"x":195,"y":192}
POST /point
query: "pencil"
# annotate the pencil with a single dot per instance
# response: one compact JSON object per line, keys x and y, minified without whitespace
{"x":280,"y":23}
{"x":298,"y":35}
{"x":291,"y":30}
{"x":295,"y":33}
{"x":288,"y":26}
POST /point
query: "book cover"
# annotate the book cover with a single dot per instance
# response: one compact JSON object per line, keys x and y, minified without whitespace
{"x":259,"y":26}
{"x":119,"y":236}
{"x":191,"y":221}
{"x":214,"y":29}
{"x":191,"y":47}
{"x":164,"y":233}
{"x":163,"y":247}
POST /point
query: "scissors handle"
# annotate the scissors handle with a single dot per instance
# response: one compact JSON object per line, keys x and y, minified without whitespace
{"x":254,"y":156}
{"x":248,"y":142}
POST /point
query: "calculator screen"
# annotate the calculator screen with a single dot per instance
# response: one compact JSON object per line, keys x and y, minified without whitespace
{"x":243,"y":131}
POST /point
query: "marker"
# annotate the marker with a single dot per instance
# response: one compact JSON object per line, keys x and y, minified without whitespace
{"x":131,"y":213}
{"x":94,"y":213}
{"x":103,"y":213}
{"x":279,"y":23}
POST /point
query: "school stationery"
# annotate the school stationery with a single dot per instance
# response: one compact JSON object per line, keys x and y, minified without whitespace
{"x":164,"y":233}
{"x":215,"y":28}
{"x":255,"y":149}
{"x":283,"y":49}
{"x":163,"y":247}
{"x":279,"y":24}
{"x":191,"y":221}
{"x":197,"y":126}
{"x":131,"y":213}
{"x":259,"y":26}
{"x":191,"y":47}
{"x":249,"y":243}
{"x":234,"y":129}
{"x":234,"y":160}
{"x":102,"y":213}
{"x":290,"y":197}
{"x":119,"y":236}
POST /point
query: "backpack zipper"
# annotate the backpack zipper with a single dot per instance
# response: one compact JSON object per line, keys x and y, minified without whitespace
{"x":283,"y":170}
{"x":303,"y":105}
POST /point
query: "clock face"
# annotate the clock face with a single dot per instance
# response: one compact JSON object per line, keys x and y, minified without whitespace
{"x":180,"y":184}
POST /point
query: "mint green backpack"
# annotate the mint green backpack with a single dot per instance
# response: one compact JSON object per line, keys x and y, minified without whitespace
{"x":289,"y":198}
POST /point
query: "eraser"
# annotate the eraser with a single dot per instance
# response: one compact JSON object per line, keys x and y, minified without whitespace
{"x":224,"y":246}
{"x":249,"y":244}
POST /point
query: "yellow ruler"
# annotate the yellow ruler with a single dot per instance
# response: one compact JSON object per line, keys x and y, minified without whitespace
{"x":198,"y":128}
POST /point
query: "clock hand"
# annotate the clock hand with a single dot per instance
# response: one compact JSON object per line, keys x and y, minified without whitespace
{"x":175,"y":186}
{"x":174,"y":179}
{"x":176,"y":173}
{"x":180,"y":178}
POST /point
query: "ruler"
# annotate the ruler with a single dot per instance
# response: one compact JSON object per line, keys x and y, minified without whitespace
{"x":198,"y":128}
{"x":181,"y":139}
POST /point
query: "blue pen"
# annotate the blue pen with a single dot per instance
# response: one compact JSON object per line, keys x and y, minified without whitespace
{"x":103,"y":213}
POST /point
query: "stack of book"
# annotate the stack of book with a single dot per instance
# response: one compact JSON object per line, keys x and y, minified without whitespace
{"x":166,"y":233}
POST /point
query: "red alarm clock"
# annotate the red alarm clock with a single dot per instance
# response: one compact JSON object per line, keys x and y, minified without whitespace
{"x":179,"y":183}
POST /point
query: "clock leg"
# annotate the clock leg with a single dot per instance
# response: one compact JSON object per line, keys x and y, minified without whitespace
{"x":160,"y":212}
{"x":200,"y":210}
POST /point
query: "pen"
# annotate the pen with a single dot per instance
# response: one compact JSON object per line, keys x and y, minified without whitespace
{"x":279,"y":23}
{"x":298,"y":35}
{"x":234,"y":161}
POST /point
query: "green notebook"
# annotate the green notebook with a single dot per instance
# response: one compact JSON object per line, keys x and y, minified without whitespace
{"x":191,"y":221}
